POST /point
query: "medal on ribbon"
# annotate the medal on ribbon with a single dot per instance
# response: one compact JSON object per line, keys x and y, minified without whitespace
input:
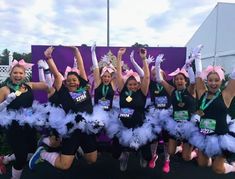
{"x":129,"y":99}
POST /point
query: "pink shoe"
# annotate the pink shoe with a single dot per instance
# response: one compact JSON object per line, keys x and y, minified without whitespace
{"x":152,"y":161}
{"x":166,"y":166}
{"x":2,"y":166}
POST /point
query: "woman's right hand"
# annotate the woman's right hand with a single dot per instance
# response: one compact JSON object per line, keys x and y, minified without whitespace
{"x":48,"y":52}
{"x":121,"y":51}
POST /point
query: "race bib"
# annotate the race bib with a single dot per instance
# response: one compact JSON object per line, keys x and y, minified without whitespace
{"x":207,"y":126}
{"x":79,"y":97}
{"x":181,"y":115}
{"x":105,"y":103}
{"x":126,"y":112}
{"x":161,"y":101}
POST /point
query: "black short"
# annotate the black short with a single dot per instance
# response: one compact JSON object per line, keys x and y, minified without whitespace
{"x":70,"y":144}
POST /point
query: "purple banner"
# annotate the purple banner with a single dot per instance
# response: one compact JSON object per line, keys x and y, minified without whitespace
{"x":63,"y":56}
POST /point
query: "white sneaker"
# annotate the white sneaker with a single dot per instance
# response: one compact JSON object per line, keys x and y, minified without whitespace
{"x":123,"y":161}
{"x":143,"y":163}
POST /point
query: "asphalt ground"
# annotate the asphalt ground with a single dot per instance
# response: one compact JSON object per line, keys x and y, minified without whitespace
{"x":108,"y":168}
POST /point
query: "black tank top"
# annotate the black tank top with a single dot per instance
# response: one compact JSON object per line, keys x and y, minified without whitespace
{"x":182,"y":110}
{"x":132,"y":113}
{"x":217,"y":111}
{"x":25,"y":100}
{"x":159,"y":96}
{"x":54,"y":99}
{"x":104,"y":95}
{"x":79,"y":101}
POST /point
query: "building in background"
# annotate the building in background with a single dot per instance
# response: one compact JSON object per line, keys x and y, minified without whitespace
{"x":217,"y":34}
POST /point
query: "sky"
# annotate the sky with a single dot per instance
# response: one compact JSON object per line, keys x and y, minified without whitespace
{"x":163,"y":23}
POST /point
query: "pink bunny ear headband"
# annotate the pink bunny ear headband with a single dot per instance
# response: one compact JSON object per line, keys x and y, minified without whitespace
{"x":216,"y":69}
{"x":110,"y":68}
{"x":21,"y":63}
{"x":130,"y":73}
{"x":179,"y":71}
{"x":69,"y":69}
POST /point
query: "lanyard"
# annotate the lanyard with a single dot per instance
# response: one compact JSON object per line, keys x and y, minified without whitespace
{"x":159,"y":87}
{"x":105,"y":89}
{"x":14,"y":87}
{"x":204,"y":105}
{"x":128,"y":93}
{"x":81,"y":89}
{"x":178,"y":95}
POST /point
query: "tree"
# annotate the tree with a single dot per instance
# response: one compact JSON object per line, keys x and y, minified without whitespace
{"x":4,"y":58}
{"x":25,"y":56}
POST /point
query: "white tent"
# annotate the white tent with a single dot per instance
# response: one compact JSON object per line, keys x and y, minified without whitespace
{"x":217,"y":34}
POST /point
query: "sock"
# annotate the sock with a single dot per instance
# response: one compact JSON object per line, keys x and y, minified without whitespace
{"x":46,"y":141}
{"x":154,"y":148}
{"x":166,"y":154}
{"x":193,"y":154}
{"x":124,"y":155}
{"x":50,"y":157}
{"x":209,"y":162}
{"x":16,"y":174}
{"x":178,"y":149}
{"x":228,"y":168}
{"x":9,"y":158}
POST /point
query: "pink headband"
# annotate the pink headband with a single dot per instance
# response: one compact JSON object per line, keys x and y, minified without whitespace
{"x":110,"y":68}
{"x":21,"y":63}
{"x":130,"y":73}
{"x":69,"y":69}
{"x":216,"y":69}
{"x":178,"y":71}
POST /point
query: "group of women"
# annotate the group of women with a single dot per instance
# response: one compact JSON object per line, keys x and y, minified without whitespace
{"x":190,"y":115}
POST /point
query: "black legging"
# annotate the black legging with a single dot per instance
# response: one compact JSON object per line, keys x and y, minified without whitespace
{"x":22,"y":140}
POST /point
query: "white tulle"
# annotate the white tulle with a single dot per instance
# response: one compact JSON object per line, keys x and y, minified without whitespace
{"x":48,"y":116}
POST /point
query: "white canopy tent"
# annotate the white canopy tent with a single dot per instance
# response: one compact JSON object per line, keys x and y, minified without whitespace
{"x":217,"y":34}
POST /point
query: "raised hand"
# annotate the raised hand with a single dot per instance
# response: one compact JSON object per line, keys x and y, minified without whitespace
{"x":159,"y":59}
{"x":93,"y":47}
{"x":150,"y":59}
{"x":143,"y":53}
{"x":196,"y":52}
{"x":132,"y":56}
{"x":136,"y":66}
{"x":48,"y":52}
{"x":121,"y":51}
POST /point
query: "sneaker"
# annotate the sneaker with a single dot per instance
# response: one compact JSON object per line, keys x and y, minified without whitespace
{"x":166,"y":166}
{"x":143,"y":162}
{"x":3,"y":169}
{"x":79,"y":153}
{"x":123,"y":161}
{"x":36,"y":158}
{"x":152,"y":161}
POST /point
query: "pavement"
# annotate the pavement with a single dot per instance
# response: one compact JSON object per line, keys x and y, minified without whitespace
{"x":108,"y":168}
